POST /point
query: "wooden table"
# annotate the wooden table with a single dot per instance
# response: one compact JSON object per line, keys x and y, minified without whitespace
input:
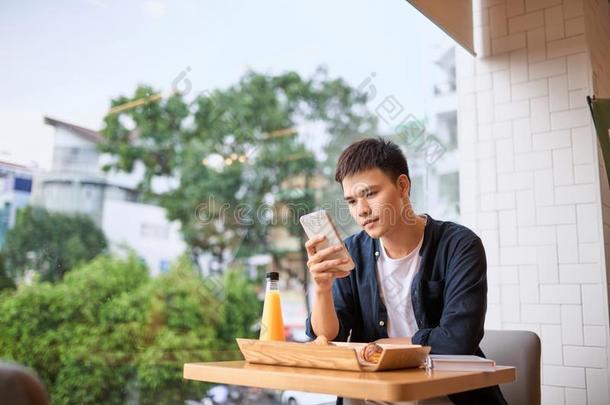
{"x":397,"y":385}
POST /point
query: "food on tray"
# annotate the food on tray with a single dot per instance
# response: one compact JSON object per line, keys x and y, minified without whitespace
{"x":371,"y":352}
{"x":320,"y":340}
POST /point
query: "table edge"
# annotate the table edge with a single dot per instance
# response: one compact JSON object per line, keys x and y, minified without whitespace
{"x":378,"y":390}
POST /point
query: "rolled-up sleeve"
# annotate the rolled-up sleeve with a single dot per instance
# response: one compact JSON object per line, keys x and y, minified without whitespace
{"x":344,"y":307}
{"x":461,"y":324}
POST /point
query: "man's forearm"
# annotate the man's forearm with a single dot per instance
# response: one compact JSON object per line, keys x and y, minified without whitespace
{"x":324,"y":319}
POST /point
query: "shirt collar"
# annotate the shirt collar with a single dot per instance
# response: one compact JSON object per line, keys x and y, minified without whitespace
{"x":428,"y":235}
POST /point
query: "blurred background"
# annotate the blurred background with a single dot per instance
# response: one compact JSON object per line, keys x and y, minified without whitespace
{"x":155,"y":157}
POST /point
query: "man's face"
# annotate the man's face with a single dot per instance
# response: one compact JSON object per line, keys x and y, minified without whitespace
{"x":375,"y":202}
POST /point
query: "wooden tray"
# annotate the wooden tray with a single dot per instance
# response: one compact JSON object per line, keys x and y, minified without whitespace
{"x":335,"y":356}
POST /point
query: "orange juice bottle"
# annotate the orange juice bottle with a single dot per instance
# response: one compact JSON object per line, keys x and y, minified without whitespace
{"x":272,"y":323}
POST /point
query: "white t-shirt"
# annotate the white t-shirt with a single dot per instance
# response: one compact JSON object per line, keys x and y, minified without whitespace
{"x":395,"y":278}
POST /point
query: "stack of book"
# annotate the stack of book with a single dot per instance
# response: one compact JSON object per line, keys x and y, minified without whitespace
{"x":445,"y":362}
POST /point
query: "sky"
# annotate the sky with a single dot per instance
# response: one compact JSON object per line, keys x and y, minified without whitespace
{"x":68,"y":59}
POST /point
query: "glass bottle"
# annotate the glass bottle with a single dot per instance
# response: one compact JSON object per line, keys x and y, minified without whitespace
{"x":272,"y":322}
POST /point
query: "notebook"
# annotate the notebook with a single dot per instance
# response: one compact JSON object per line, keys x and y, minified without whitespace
{"x":445,"y":362}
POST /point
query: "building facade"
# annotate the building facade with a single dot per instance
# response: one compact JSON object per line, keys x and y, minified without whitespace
{"x":15,"y":190}
{"x":76,"y":184}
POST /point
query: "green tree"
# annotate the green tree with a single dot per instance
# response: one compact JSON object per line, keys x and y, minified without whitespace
{"x":190,"y":320}
{"x":50,"y":243}
{"x":6,"y":283}
{"x":232,"y":152}
{"x":182,"y":316}
{"x":241,"y":307}
{"x":108,"y":333}
{"x":63,"y":332}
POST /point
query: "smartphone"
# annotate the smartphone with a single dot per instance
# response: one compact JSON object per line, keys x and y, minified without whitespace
{"x":320,"y":223}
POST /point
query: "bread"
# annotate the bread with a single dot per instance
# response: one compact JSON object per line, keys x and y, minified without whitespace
{"x":320,"y":340}
{"x":371,"y":352}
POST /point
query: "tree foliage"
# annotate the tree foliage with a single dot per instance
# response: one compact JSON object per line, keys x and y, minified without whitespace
{"x":252,"y":130}
{"x":6,"y":283}
{"x":108,"y":333}
{"x":50,"y":243}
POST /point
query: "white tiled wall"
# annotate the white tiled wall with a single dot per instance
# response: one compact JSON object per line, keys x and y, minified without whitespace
{"x":532,"y":184}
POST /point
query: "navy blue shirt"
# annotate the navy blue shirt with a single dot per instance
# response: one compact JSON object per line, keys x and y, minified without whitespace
{"x":448,"y":293}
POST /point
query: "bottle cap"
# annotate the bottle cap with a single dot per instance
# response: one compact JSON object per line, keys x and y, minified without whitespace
{"x":273,"y":275}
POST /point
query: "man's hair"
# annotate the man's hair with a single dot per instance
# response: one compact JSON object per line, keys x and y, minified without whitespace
{"x":372,"y":153}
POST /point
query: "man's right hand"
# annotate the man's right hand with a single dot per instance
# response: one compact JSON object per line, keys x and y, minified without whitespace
{"x":323,"y":270}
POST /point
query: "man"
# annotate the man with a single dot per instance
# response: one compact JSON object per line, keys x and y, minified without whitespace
{"x":416,"y":279}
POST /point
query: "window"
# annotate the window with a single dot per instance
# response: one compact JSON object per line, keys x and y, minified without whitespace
{"x":154,"y":231}
{"x":231,"y":167}
{"x":449,"y":193}
{"x":447,"y":129}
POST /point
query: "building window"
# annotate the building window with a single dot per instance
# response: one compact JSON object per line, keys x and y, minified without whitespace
{"x":417,"y":196}
{"x":156,"y":231}
{"x":68,"y":157}
{"x":447,"y":129}
{"x":5,"y":215}
{"x":446,"y":66}
{"x":23,"y":184}
{"x":164,"y":265}
{"x":449,"y":193}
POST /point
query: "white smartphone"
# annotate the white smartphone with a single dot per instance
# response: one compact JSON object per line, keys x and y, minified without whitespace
{"x":320,"y":223}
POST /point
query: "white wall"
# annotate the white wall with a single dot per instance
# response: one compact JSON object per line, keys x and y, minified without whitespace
{"x":597,"y":17}
{"x":69,"y":192}
{"x":66,"y":138}
{"x":93,"y":161}
{"x":145,"y":229}
{"x":65,"y":141}
{"x":530,"y":186}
